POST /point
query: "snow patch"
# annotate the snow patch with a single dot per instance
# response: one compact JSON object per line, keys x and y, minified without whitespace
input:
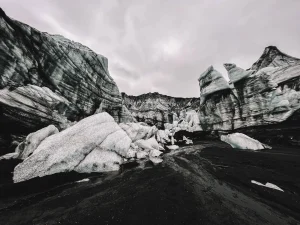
{"x":268,"y":185}
{"x":83,"y":180}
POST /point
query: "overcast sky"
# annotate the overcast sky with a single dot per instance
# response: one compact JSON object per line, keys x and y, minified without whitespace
{"x":163,"y":46}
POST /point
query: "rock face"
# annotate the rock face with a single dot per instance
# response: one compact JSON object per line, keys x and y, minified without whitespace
{"x":235,"y":73}
{"x":95,"y":143}
{"x":272,"y":57}
{"x":211,"y":81}
{"x":31,"y":106}
{"x":188,"y":121}
{"x":157,"y":109}
{"x":46,"y":79}
{"x":267,"y":94}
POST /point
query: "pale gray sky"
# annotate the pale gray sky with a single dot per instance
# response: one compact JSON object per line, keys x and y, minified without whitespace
{"x":155,"y":45}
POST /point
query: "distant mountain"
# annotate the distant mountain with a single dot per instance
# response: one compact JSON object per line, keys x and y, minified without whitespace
{"x":155,"y":108}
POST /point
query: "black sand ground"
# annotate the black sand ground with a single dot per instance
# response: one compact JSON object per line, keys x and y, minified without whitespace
{"x":208,"y":183}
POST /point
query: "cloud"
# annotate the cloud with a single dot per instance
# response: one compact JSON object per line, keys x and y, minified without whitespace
{"x":162,"y":45}
{"x":57,"y":27}
{"x":121,"y":69}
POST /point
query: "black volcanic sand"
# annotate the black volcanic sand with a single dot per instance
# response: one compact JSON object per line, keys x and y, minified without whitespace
{"x":208,"y":183}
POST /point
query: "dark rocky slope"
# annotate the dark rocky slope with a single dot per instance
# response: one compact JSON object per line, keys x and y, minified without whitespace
{"x":208,"y":183}
{"x":265,"y":96}
{"x":155,"y":108}
{"x":48,"y":79}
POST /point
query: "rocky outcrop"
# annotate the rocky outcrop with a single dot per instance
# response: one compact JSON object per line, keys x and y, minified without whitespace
{"x":157,"y":109}
{"x":236,"y":73}
{"x":48,"y":79}
{"x":272,"y":57}
{"x":95,"y":143}
{"x":267,"y":94}
{"x":211,"y":81}
{"x":32,"y":106}
{"x":242,"y":141}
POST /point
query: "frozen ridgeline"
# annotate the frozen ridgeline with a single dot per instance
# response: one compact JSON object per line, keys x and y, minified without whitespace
{"x":267,"y":93}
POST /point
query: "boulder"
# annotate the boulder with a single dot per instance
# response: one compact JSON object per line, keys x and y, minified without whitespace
{"x":65,"y":151}
{"x":152,"y":132}
{"x":162,"y":136}
{"x":148,"y":145}
{"x":183,"y":125}
{"x":156,"y":160}
{"x":242,"y":141}
{"x":143,"y":123}
{"x":172,"y":147}
{"x":137,"y":131}
{"x":187,"y":141}
{"x":168,"y":133}
{"x":100,"y":160}
{"x":32,"y":141}
{"x":175,"y":124}
{"x":168,"y":126}
{"x":13,"y":155}
{"x":161,"y":148}
{"x":131,"y":153}
{"x":141,"y":154}
{"x":154,"y":153}
{"x":134,"y":146}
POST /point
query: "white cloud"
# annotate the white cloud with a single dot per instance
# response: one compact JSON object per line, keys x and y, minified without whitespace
{"x":171,"y":46}
{"x":57,"y":27}
{"x":161,"y":46}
